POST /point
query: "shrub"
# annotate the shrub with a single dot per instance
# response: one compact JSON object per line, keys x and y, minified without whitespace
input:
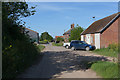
{"x":60,"y":39}
{"x":113,"y":46}
{"x":17,"y":58}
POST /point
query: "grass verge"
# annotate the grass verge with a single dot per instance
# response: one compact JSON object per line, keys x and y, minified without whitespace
{"x":106,"y":69}
{"x":57,"y":44}
{"x":106,"y":52}
{"x":41,"y":47}
{"x":44,"y":42}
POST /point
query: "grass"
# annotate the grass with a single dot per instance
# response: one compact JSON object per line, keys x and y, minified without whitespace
{"x":57,"y":44}
{"x":106,"y":69}
{"x":43,"y":42}
{"x":107,"y":52}
{"x":41,"y":47}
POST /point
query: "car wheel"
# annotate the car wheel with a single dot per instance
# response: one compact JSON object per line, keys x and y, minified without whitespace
{"x":67,"y":47}
{"x":87,"y":48}
{"x":73,"y":48}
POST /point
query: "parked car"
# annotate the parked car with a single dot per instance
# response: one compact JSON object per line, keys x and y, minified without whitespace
{"x":76,"y":44}
{"x":66,"y":45}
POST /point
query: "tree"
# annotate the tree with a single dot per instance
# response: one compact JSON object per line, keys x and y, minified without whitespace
{"x":46,"y":36}
{"x":60,"y":39}
{"x":17,"y":51}
{"x":75,"y":33}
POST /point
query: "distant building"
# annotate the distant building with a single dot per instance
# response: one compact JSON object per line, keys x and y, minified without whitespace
{"x":67,"y":34}
{"x":102,"y":32}
{"x":34,"y":36}
{"x":57,"y":37}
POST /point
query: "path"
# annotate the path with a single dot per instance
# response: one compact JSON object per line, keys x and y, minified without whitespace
{"x":59,"y":62}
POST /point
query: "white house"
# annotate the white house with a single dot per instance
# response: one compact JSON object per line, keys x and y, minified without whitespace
{"x":102,"y":32}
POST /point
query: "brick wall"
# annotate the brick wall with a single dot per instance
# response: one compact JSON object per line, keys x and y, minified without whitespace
{"x":110,"y":35}
{"x":66,"y":37}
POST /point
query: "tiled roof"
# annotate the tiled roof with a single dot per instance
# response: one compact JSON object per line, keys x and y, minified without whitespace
{"x":68,"y":32}
{"x":100,"y":25}
{"x":31,"y":30}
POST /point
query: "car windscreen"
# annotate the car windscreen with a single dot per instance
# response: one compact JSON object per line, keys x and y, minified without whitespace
{"x":83,"y":42}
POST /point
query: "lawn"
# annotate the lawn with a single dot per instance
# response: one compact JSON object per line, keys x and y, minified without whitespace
{"x":57,"y":44}
{"x":106,"y":69}
{"x":107,"y":52}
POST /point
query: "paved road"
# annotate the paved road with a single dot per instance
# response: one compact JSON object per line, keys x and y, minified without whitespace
{"x":59,"y":62}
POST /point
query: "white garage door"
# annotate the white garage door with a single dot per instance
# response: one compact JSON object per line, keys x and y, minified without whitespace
{"x":97,"y":40}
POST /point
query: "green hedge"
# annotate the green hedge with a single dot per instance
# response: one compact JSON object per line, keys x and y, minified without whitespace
{"x":18,"y":57}
{"x":106,"y":69}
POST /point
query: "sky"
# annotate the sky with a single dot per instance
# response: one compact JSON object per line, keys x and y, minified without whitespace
{"x":56,"y":17}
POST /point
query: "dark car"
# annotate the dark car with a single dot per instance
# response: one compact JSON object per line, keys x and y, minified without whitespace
{"x":76,"y":44}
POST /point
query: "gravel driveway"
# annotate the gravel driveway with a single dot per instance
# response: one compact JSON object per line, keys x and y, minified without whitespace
{"x":58,"y":62}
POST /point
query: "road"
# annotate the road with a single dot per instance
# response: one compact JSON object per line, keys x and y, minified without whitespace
{"x":59,"y":62}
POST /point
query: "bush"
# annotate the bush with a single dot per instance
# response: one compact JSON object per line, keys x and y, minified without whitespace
{"x":106,"y":69}
{"x":114,"y":47}
{"x":18,"y":57}
{"x":60,"y":39}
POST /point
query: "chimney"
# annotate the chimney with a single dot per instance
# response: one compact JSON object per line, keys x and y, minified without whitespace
{"x":72,"y":26}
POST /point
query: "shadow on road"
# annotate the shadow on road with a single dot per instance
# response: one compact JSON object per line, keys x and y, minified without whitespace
{"x":55,"y":62}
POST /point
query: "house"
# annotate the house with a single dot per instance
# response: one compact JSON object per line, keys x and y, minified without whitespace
{"x":66,"y":35}
{"x":57,"y":37}
{"x":34,"y":36}
{"x":103,"y":32}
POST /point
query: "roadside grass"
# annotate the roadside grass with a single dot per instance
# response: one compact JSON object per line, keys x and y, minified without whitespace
{"x":106,"y":69}
{"x":57,"y":44}
{"x":111,"y":50}
{"x":44,"y":42}
{"x":106,"y":52}
{"x":41,"y":47}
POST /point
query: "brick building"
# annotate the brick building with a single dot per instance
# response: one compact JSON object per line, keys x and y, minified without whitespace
{"x":102,"y":32}
{"x":66,"y":35}
{"x":57,"y":37}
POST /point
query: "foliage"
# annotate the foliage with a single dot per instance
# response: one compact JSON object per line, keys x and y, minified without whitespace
{"x":57,"y":44}
{"x":106,"y":69}
{"x":113,"y":46}
{"x":75,"y":33}
{"x":17,"y":51}
{"x":44,"y":42}
{"x":111,"y":51}
{"x":60,"y":39}
{"x":46,"y":36}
